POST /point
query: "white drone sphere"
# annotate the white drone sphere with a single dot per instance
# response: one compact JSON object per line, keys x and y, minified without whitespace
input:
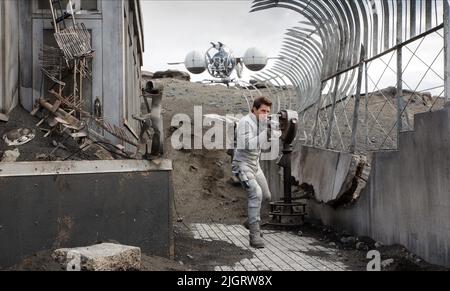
{"x":195,"y":62}
{"x":254,"y":59}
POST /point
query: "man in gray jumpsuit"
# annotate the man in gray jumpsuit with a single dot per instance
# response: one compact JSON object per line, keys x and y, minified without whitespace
{"x":251,"y":134}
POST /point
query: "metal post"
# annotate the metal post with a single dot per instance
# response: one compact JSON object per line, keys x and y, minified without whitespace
{"x":385,"y":30}
{"x":366,"y":121}
{"x":333,"y":110}
{"x":287,"y":174}
{"x":447,"y":48}
{"x":316,"y":123}
{"x":375,"y":31}
{"x":399,"y":70}
{"x":2,"y":51}
{"x":412,"y":20}
{"x":428,"y":14}
{"x":357,"y":100}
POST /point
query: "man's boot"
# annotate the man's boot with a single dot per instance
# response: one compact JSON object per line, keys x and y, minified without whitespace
{"x":255,"y":236}
{"x":247,"y":226}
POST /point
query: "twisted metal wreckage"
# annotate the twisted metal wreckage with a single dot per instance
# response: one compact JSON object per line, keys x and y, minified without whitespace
{"x":67,"y":113}
{"x":328,"y":58}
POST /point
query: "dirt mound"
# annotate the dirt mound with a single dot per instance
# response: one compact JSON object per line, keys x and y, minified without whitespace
{"x":173,"y":74}
{"x":201,"y":177}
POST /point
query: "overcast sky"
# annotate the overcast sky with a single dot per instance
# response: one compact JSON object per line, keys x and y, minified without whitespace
{"x":174,"y":28}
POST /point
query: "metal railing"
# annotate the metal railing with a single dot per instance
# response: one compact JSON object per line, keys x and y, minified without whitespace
{"x":360,"y":69}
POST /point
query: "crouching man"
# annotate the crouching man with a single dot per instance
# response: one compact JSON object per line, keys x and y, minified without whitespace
{"x":252,"y":132}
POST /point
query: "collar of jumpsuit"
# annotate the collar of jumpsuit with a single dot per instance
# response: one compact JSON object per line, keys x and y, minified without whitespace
{"x":254,"y":118}
{"x":248,"y":158}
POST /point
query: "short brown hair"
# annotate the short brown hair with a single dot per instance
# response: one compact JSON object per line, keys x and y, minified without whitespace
{"x":262,"y":101}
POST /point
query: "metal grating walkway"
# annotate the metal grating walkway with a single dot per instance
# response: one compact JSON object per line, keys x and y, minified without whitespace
{"x":284,"y":251}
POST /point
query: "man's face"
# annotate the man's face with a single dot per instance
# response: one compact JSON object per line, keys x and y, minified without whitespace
{"x":262,"y":113}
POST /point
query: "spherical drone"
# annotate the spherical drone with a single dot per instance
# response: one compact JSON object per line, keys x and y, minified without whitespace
{"x":195,"y":62}
{"x":254,"y":59}
{"x":220,"y":62}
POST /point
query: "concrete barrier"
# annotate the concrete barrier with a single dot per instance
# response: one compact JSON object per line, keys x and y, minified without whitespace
{"x":407,"y":197}
{"x":50,"y":205}
{"x":329,"y":173}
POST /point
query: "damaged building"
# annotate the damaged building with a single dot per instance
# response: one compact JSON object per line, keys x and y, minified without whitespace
{"x":76,"y":69}
{"x":115,"y":69}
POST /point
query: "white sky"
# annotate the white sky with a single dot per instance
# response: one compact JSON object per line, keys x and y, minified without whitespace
{"x":174,"y":28}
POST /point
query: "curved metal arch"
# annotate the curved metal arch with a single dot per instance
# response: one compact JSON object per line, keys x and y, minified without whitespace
{"x":341,"y":26}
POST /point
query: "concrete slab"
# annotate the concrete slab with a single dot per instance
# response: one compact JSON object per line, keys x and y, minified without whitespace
{"x":101,"y":257}
{"x":330,"y":173}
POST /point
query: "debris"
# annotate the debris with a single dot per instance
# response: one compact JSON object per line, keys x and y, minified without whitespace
{"x":41,"y":156}
{"x":59,"y":145}
{"x":74,"y":41}
{"x":332,"y":244}
{"x":193,"y":168}
{"x":190,"y":257}
{"x":299,"y":233}
{"x":10,"y":156}
{"x":4,"y":117}
{"x":120,"y":147}
{"x":101,"y":257}
{"x":19,"y":136}
{"x":378,"y":245}
{"x":103,"y":154}
{"x":387,"y":263}
{"x":180,"y":219}
{"x":345,"y":233}
{"x":348,"y":240}
{"x":79,"y":134}
{"x":63,"y":117}
{"x":362,"y":246}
